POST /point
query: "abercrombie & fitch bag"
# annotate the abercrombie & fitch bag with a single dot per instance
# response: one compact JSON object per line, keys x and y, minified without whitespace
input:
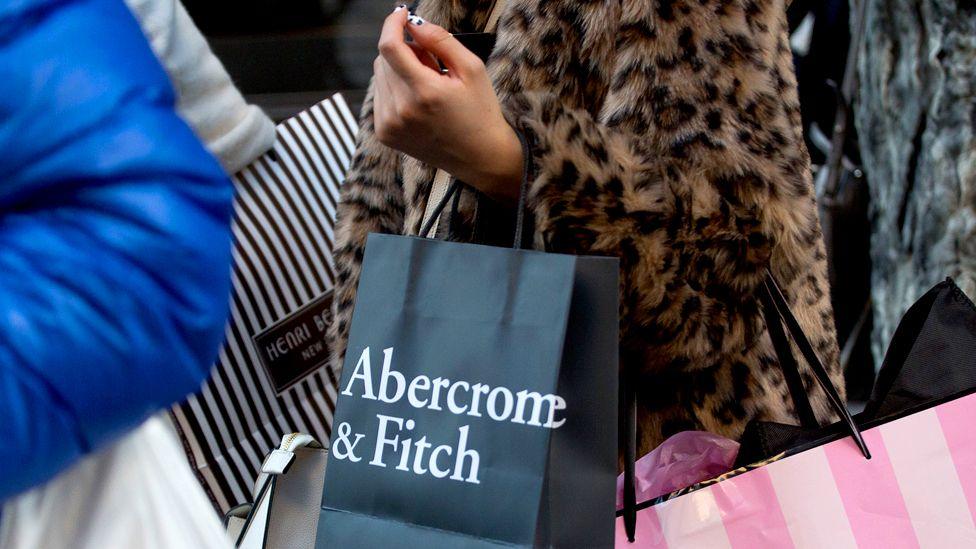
{"x":478,"y":400}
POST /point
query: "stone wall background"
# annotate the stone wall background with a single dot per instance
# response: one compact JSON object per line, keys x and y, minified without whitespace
{"x":915,"y":115}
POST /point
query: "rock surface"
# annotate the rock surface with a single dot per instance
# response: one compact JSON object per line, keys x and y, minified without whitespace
{"x":915,"y":116}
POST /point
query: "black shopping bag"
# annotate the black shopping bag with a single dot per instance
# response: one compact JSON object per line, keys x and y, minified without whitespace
{"x":478,"y":400}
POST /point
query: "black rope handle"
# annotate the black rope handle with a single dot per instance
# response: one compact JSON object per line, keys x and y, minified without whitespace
{"x":436,"y":214}
{"x":523,"y":189}
{"x":629,"y":404}
{"x":780,"y":314}
{"x":787,"y":362}
{"x":522,"y":199}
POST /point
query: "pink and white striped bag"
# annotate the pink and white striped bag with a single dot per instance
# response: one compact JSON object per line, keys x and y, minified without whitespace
{"x":908,"y":480}
{"x":917,"y":490}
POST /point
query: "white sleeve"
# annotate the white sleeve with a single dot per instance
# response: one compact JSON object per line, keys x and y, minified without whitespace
{"x":233,"y":130}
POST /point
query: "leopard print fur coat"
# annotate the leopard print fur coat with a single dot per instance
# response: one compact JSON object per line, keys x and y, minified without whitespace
{"x":666,"y":133}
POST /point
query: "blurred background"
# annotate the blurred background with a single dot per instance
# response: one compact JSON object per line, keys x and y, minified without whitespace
{"x":288,"y":55}
{"x":887,"y":89}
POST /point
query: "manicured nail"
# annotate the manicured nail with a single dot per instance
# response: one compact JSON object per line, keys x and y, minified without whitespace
{"x":400,"y":7}
{"x":416,"y":20}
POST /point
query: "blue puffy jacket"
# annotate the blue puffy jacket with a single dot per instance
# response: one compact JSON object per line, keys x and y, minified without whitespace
{"x":114,"y":237}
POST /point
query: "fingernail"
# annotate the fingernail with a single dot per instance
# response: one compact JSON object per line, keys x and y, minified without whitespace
{"x":416,"y":20}
{"x":400,"y":7}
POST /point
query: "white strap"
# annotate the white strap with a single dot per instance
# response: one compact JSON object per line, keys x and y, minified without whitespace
{"x":442,"y":179}
{"x":438,"y":189}
{"x":496,"y":12}
{"x":280,"y":458}
{"x":255,"y":529}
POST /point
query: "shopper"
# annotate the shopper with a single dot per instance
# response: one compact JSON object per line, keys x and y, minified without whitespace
{"x":664,"y":133}
{"x":114,"y":237}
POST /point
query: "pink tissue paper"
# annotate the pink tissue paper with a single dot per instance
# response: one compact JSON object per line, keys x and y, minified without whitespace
{"x":683,"y":459}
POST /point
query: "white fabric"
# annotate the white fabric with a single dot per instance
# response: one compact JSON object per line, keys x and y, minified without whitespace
{"x":277,"y":461}
{"x":438,"y":189}
{"x":234,"y":131}
{"x":138,"y":494}
{"x":256,"y":533}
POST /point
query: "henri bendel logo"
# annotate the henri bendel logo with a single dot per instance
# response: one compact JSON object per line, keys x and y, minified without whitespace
{"x":396,"y":442}
{"x":292,"y":340}
{"x":295,"y":346}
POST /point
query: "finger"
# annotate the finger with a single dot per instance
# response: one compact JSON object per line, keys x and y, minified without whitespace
{"x":384,"y":100}
{"x":435,"y":39}
{"x":399,"y":90}
{"x":425,"y":57}
{"x":395,"y":50}
{"x":398,"y":87}
{"x":382,"y":79}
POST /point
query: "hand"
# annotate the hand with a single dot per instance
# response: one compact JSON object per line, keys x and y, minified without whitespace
{"x":450,"y":120}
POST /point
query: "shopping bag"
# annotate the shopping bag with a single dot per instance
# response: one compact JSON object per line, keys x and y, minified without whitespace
{"x":284,"y":514}
{"x":270,"y":378}
{"x":930,"y":358}
{"x":918,"y":489}
{"x":138,"y":492}
{"x":932,"y":354}
{"x":478,"y":400}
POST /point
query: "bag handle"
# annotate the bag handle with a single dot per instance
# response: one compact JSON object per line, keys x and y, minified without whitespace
{"x":777,"y":314}
{"x":787,"y":362}
{"x":628,"y":400}
{"x":430,"y":226}
{"x":845,"y":98}
{"x":494,"y":15}
{"x":277,"y":463}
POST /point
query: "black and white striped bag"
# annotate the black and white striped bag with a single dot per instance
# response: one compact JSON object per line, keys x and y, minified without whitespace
{"x":270,"y":377}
